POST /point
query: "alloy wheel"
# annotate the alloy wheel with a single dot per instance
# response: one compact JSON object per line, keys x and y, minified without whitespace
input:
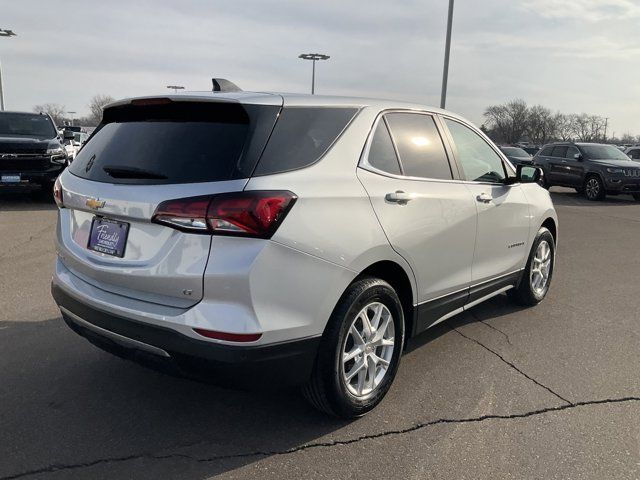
{"x":592,"y":188}
{"x":541,"y":268}
{"x":367,"y":349}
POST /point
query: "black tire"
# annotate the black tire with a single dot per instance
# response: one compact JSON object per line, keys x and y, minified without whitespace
{"x":594,"y":189}
{"x":326,"y":389}
{"x":524,"y":294}
{"x":636,"y":197}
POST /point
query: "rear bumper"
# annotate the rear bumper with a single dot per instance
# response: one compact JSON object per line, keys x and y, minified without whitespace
{"x":286,"y":363}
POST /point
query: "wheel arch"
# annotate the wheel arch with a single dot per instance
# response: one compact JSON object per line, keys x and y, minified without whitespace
{"x":550,"y":224}
{"x":395,"y":275}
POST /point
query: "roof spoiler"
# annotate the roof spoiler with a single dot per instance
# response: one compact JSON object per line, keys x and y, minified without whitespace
{"x":224,"y":85}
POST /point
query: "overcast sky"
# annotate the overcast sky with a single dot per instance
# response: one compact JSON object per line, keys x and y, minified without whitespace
{"x":569,"y":55}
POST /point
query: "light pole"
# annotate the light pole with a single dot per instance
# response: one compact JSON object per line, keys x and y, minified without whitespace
{"x":72,"y":114}
{"x":447,"y":48}
{"x":175,"y":88}
{"x":3,"y":33}
{"x":313,"y":57}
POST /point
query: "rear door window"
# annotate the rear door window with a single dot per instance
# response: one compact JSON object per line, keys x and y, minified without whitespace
{"x":302,"y":136}
{"x":176,"y":142}
{"x":419,"y":145}
{"x":559,"y":151}
{"x":546,"y":151}
{"x":382,"y":154}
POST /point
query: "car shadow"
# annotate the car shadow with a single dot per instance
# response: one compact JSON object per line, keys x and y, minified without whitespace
{"x":18,"y":200}
{"x":493,"y":308}
{"x":66,"y":403}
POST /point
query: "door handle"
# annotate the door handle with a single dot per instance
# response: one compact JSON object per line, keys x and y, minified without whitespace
{"x":484,"y":197}
{"x":398,"y":197}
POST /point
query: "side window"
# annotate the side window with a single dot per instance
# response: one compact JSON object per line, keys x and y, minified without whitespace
{"x":478,"y":160}
{"x":419,"y":145}
{"x":381,"y":152}
{"x":559,"y":151}
{"x":301,"y":136}
{"x":546,"y":151}
{"x":635,"y":154}
{"x":571,"y":151}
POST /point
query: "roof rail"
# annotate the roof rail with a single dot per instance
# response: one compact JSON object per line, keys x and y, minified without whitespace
{"x":224,"y":85}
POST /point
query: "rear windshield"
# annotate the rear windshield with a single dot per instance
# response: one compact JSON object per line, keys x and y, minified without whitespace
{"x":26,"y":125}
{"x":176,"y":142}
{"x":302,"y":136}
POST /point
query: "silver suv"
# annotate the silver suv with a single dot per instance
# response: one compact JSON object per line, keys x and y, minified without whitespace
{"x":261,"y":238}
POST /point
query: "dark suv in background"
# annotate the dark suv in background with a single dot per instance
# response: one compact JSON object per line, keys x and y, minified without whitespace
{"x":591,"y":168}
{"x":31,"y":151}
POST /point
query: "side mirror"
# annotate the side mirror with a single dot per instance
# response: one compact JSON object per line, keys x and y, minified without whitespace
{"x":68,"y":135}
{"x":529,"y":174}
{"x":578,"y":156}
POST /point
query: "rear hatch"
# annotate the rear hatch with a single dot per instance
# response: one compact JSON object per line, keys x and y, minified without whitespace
{"x":144,"y":153}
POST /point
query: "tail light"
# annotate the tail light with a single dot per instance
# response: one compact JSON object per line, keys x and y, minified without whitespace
{"x":247,"y":214}
{"x":57,"y":193}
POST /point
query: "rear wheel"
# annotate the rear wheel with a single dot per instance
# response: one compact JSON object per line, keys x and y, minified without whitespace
{"x":594,"y":188}
{"x":536,"y":278}
{"x":360,"y":350}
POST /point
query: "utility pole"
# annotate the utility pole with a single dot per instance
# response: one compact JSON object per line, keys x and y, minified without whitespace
{"x":606,"y":122}
{"x":447,"y":49}
{"x":313,"y":57}
{"x":3,"y":33}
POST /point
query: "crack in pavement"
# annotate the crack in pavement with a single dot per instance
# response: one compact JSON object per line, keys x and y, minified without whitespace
{"x":513,"y":366}
{"x":266,"y":453}
{"x":493,"y":328}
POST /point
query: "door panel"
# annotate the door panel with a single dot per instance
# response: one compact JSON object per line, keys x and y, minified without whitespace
{"x":503,"y":211}
{"x":434,"y":230}
{"x":503,"y":230}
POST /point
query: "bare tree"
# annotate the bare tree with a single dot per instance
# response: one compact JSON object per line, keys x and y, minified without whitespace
{"x":541,"y":124}
{"x":57,"y":111}
{"x":508,"y":122}
{"x":565,"y":127}
{"x":96,"y":104}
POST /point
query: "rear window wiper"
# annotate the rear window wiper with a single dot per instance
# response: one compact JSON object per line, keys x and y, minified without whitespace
{"x":132,"y":172}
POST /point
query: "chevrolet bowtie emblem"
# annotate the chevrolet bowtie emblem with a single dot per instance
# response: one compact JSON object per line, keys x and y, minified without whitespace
{"x":94,"y":203}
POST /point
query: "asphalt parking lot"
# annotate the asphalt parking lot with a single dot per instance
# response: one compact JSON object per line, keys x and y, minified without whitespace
{"x":499,"y":392}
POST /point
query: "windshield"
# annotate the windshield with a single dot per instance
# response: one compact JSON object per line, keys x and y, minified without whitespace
{"x":26,"y":125}
{"x":603,"y":152}
{"x":514,"y":152}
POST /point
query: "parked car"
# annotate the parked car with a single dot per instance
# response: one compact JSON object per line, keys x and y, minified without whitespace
{"x":591,"y":168}
{"x":517,"y":155}
{"x":633,"y":152}
{"x":73,"y":145}
{"x":31,"y":152}
{"x":531,"y":150}
{"x":295,"y":239}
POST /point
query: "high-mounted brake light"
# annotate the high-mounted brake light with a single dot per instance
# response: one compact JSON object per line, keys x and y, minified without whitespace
{"x":57,"y":193}
{"x":151,"y":101}
{"x":247,"y":214}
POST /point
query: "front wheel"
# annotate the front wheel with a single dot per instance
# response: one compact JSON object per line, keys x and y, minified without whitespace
{"x":594,"y":188}
{"x":536,"y":278}
{"x":360,"y":350}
